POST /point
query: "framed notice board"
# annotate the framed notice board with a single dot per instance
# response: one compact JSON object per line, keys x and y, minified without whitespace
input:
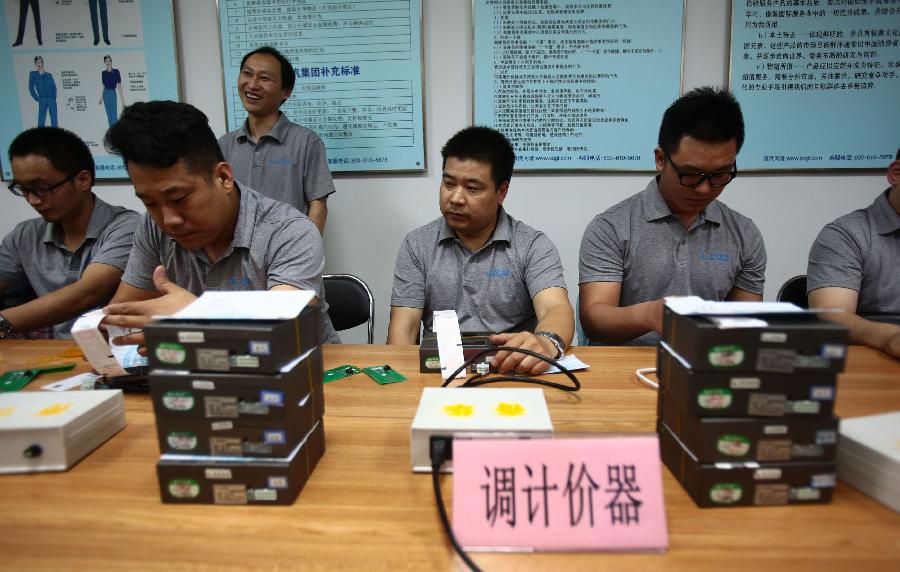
{"x":819,"y":83}
{"x":577,"y":85}
{"x":359,"y":74}
{"x":76,"y":65}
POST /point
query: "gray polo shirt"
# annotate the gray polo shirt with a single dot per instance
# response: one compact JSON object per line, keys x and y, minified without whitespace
{"x":288,"y":163}
{"x":861,"y":251}
{"x":491,"y":289}
{"x":641,"y":243}
{"x":35,"y":251}
{"x":273,"y":244}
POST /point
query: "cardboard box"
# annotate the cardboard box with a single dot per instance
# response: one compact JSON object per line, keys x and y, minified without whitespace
{"x":730,"y":439}
{"x":234,"y":346}
{"x":240,"y":481}
{"x":430,"y":359}
{"x":745,"y":394}
{"x":790,"y":343}
{"x":51,"y":431}
{"x":239,"y":397}
{"x":746,"y":484}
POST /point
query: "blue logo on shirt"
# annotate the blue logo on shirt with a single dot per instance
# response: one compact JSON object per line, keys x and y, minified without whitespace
{"x":242,"y":283}
{"x":499,"y":273}
{"x":714,"y":256}
{"x":282,"y":161}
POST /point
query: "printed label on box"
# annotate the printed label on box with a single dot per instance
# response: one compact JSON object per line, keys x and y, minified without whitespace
{"x":771,"y":494}
{"x":190,"y":337}
{"x":212,"y":359}
{"x":745,"y":383}
{"x":260,"y":348}
{"x":230,"y":494}
{"x":221,"y":474}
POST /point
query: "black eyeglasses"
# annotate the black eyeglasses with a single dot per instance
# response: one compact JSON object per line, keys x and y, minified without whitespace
{"x":21,"y":190}
{"x":696,"y":179}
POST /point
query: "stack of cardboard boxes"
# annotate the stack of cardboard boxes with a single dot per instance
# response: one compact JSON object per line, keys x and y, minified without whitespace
{"x":745,"y":410}
{"x":238,"y":405}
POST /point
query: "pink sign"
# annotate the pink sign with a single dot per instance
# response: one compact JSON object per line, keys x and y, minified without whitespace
{"x":602,"y":493}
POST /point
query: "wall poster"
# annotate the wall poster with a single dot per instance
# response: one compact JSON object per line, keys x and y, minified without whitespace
{"x":819,"y":82}
{"x":574,"y":84}
{"x":76,"y":63}
{"x":359,"y":74}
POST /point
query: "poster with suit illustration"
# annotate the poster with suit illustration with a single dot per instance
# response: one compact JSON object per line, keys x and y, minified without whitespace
{"x":76,"y":64}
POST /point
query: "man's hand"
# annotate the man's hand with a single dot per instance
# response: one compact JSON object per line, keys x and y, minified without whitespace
{"x":892,"y":346}
{"x":136,"y":315}
{"x":507,"y":362}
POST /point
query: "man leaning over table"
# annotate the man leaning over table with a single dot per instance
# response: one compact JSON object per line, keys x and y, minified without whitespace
{"x":202,"y":231}
{"x":499,"y":274}
{"x":674,"y":237}
{"x":854,"y":265}
{"x":73,"y":255}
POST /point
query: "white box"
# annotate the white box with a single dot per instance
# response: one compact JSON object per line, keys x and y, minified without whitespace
{"x":868,"y":456}
{"x":500,"y":412}
{"x":41,"y":431}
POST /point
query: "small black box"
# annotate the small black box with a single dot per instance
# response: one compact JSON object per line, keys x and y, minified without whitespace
{"x":236,"y":346}
{"x":743,"y":394}
{"x":730,"y":439}
{"x":236,"y":480}
{"x":430,"y":360}
{"x":791,"y":343}
{"x":746,"y":484}
{"x":242,"y":399}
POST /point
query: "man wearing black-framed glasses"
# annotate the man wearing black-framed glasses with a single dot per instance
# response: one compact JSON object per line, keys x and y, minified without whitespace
{"x":675,"y":237}
{"x":73,"y":256}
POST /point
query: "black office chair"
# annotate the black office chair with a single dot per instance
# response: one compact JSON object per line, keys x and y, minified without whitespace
{"x":350,"y":302}
{"x":794,"y":291}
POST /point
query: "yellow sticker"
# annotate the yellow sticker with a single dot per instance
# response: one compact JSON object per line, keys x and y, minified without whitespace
{"x":510,"y":410}
{"x":6,"y":411}
{"x":54,"y":409}
{"x":459,"y":410}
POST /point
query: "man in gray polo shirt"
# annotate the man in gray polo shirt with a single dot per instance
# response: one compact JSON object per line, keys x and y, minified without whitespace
{"x":279,"y":158}
{"x":499,"y":274}
{"x":202,"y":231}
{"x":674,"y":238}
{"x":73,"y":256}
{"x":853,"y":266}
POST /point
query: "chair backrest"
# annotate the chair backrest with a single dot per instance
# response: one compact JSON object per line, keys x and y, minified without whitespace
{"x":794,"y":291}
{"x":350,"y":302}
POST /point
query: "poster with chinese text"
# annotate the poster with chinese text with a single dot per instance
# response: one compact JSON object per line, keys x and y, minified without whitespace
{"x":818,"y":81}
{"x":577,"y":85}
{"x":359,"y":74}
{"x":75,"y":64}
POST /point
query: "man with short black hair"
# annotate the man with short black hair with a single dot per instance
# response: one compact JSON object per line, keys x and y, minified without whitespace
{"x":499,"y":274}
{"x":270,"y":153}
{"x":674,"y":238}
{"x":853,"y":266}
{"x":202,"y":231}
{"x":73,"y":256}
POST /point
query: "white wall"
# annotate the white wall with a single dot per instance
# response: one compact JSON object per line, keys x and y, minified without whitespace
{"x":369,"y":215}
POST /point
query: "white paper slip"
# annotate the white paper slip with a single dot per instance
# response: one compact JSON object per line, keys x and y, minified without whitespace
{"x":688,"y":305}
{"x":723,"y":323}
{"x":570,"y":362}
{"x":128,"y":355}
{"x":450,"y":349}
{"x":70,"y":382}
{"x":251,"y":305}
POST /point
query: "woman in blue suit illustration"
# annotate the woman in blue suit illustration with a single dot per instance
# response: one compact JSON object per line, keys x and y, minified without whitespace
{"x":112,"y":81}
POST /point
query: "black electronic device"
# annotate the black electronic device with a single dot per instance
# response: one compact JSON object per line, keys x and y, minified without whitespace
{"x":472,"y":342}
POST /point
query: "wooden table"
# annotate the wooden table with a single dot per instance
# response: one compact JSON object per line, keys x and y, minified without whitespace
{"x":364,"y":509}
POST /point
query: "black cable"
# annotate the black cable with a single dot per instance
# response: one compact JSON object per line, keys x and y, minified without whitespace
{"x":474,"y":381}
{"x":439,"y":454}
